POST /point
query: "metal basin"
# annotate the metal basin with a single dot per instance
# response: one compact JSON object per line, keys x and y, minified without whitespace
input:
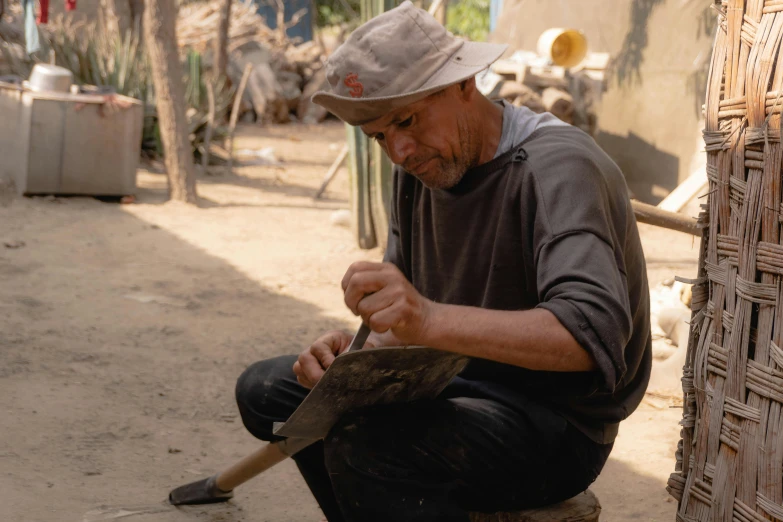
{"x":50,"y":78}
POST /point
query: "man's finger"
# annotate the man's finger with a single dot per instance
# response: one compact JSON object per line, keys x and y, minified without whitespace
{"x":300,"y":378}
{"x":359,"y":266}
{"x":304,"y":382}
{"x":311,"y":367}
{"x":374,"y":303}
{"x":336,"y":340}
{"x":386,"y":319}
{"x":361,"y":285}
{"x":322,"y":352}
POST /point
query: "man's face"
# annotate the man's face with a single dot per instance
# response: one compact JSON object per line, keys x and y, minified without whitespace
{"x":431,"y":138}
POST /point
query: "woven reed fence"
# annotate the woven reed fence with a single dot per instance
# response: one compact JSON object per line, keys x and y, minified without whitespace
{"x":730,"y":459}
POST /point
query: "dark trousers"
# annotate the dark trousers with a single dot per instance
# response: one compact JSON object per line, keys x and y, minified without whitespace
{"x":432,"y":460}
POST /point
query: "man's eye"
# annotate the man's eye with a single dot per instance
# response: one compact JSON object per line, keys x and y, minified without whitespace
{"x":406,"y":123}
{"x":379,"y":137}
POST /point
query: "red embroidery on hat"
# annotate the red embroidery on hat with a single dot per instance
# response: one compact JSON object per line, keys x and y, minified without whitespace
{"x":351,"y":81}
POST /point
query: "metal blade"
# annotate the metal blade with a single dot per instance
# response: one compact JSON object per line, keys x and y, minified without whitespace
{"x":360,"y":338}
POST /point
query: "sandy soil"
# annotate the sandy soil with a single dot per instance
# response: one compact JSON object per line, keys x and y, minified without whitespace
{"x":124,"y":327}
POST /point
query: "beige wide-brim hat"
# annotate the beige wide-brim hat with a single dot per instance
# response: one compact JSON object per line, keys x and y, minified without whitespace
{"x":396,"y":59}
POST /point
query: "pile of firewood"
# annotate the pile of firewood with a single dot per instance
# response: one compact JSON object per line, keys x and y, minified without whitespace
{"x":571,"y":95}
{"x":284,"y":74}
{"x":282,"y":81}
{"x":557,"y":100}
{"x":197,"y":25}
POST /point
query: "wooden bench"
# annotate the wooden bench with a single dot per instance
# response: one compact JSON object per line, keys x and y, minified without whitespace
{"x":581,"y":508}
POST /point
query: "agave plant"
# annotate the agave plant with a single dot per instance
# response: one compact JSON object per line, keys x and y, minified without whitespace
{"x":119,"y":64}
{"x":100,"y":57}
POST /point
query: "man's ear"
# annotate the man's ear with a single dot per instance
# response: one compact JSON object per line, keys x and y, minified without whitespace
{"x":468,"y":88}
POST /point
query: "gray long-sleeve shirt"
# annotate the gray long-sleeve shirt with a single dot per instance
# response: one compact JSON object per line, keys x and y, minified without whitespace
{"x":547,"y":224}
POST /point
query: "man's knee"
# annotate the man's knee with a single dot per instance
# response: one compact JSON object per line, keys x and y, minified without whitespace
{"x":267,"y":392}
{"x":350,"y":442}
{"x":256,"y":385}
{"x":385,"y":437}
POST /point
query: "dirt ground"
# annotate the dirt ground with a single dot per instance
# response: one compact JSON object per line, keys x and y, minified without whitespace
{"x":124,"y":327}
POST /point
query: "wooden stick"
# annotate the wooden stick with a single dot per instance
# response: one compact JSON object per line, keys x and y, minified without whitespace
{"x":332,"y":172}
{"x":685,"y":191}
{"x":235,"y":114}
{"x":210,"y":124}
{"x":661,"y":218}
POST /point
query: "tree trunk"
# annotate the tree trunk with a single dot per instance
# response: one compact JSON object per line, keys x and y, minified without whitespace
{"x":221,"y":42}
{"x":161,"y":40}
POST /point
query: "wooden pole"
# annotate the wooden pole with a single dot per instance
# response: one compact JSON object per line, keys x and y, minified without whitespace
{"x":332,"y":172}
{"x":232,"y":124}
{"x":661,"y":218}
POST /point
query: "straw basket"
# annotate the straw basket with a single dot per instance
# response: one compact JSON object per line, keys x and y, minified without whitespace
{"x":730,"y":459}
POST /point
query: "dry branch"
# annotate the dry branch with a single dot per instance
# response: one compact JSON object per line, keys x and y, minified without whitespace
{"x":235,"y":114}
{"x":198,"y":24}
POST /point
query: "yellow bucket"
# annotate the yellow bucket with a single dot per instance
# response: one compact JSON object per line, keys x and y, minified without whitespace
{"x":565,"y":47}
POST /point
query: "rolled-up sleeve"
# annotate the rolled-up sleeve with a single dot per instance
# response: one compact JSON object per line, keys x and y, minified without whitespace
{"x":580,"y":283}
{"x":579,"y":264}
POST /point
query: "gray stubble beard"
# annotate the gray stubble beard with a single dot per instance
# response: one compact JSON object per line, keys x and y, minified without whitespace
{"x":452,"y":172}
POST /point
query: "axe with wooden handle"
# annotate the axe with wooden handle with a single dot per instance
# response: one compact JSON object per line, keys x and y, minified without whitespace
{"x":220,"y":487}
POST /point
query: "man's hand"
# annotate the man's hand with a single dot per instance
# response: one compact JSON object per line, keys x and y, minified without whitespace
{"x":314,"y":361}
{"x":385,"y":300}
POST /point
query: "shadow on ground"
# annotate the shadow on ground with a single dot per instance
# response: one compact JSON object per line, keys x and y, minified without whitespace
{"x":119,"y":347}
{"x":625,"y":494}
{"x":123,"y":330}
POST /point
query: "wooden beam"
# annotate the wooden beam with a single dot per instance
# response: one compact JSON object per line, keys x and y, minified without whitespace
{"x":661,"y":218}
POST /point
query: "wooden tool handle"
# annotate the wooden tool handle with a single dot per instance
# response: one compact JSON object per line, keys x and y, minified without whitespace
{"x":259,"y":461}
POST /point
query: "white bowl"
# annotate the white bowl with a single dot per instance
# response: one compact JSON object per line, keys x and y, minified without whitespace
{"x":50,"y":78}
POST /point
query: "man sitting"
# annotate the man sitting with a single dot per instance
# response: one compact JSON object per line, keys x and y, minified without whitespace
{"x":512,"y":242}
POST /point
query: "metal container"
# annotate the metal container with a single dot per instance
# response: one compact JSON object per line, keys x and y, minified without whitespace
{"x":50,"y":78}
{"x":63,"y":143}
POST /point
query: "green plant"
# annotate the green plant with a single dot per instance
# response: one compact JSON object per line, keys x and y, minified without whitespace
{"x":198,"y":101}
{"x":97,"y":57}
{"x":469,"y":18}
{"x":337,"y":12}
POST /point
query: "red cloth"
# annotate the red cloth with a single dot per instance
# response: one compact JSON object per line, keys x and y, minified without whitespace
{"x":43,"y":16}
{"x":70,"y":5}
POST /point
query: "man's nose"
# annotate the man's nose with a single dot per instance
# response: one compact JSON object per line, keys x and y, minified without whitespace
{"x":400,"y":147}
